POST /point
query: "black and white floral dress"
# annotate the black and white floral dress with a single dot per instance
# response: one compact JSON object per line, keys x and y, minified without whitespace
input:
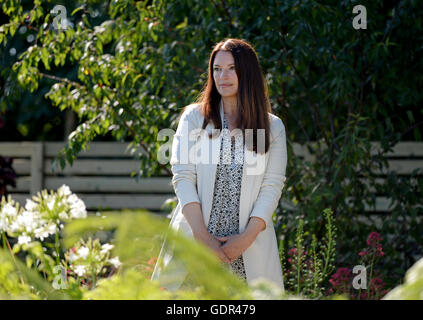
{"x":224,"y":217}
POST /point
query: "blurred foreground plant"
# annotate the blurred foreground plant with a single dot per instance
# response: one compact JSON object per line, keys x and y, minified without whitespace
{"x":412,"y":288}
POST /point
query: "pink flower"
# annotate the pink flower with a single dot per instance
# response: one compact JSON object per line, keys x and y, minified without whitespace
{"x":380,"y":253}
{"x":292,"y":251}
{"x":363,"y":296}
{"x":373,"y":239}
{"x":377,"y":284}
{"x":363,"y":253}
{"x":341,"y":280}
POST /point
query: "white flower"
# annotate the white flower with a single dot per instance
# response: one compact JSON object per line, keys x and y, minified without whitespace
{"x":9,"y":210}
{"x":14,"y":226}
{"x":24,"y":239}
{"x":83,"y":252}
{"x":106,"y":247}
{"x":72,"y":257}
{"x":27,"y":221}
{"x":50,"y":204}
{"x":115,"y":262}
{"x":80,"y":270}
{"x":78,"y":209}
{"x":52,"y":228}
{"x":3,"y":225}
{"x":72,"y":199}
{"x":63,"y":215}
{"x":30,"y":205}
{"x":64,"y":191}
{"x":41,"y":233}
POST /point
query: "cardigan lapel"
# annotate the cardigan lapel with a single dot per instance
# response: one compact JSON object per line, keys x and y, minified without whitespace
{"x":209,"y":170}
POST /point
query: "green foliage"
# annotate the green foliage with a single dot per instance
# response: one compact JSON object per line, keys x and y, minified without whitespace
{"x":10,"y":285}
{"x":305,"y":271}
{"x":19,"y":282}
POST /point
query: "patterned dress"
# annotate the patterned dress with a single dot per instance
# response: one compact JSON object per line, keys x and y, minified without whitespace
{"x":224,"y":217}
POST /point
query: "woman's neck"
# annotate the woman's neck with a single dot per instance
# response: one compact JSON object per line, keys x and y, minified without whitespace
{"x":230,"y":106}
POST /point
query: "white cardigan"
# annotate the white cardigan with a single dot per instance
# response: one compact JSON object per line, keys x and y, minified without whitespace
{"x":260,"y":193}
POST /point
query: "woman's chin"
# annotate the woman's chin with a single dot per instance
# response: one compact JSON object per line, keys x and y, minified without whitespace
{"x":228,"y":94}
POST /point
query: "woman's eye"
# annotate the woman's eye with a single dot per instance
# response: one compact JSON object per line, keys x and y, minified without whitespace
{"x":216,"y":69}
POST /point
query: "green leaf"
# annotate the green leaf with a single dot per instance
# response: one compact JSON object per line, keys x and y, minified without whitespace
{"x":44,"y":57}
{"x":410,"y":116}
{"x":77,"y":10}
{"x":181,"y":25}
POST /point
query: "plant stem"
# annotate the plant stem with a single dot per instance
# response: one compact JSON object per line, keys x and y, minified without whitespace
{"x":329,"y":244}
{"x":370,"y":278}
{"x":6,"y":243}
{"x":57,"y":248}
{"x":299,"y":253}
{"x":94,"y":280}
{"x":4,"y":239}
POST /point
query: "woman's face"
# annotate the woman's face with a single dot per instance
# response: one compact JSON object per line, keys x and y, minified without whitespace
{"x":224,"y":74}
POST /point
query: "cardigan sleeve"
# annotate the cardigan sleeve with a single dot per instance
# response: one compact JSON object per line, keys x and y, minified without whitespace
{"x":184,"y":179}
{"x":273,"y":180}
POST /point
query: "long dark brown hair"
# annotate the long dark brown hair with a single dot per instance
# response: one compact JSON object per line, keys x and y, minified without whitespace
{"x":252,"y":98}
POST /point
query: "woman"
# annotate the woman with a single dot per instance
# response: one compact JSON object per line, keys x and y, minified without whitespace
{"x":227,"y":199}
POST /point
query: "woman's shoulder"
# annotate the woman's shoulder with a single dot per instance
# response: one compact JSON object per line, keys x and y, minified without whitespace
{"x":276,"y":125}
{"x":192,"y":112}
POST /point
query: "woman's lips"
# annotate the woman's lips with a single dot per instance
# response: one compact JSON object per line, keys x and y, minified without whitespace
{"x":225,"y":85}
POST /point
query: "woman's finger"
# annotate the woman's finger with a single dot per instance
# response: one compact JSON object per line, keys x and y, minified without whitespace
{"x":225,"y":257}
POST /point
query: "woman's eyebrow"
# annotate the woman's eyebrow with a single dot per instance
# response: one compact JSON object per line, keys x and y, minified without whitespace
{"x":231,"y":64}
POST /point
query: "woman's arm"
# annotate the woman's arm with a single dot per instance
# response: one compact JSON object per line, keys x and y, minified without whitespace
{"x":254,"y":227}
{"x":192,"y":212}
{"x":273,"y":180}
{"x":184,"y":177}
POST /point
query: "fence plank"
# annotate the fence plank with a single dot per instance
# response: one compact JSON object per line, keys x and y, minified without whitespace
{"x":37,"y":159}
{"x":23,"y":184}
{"x":112,"y":184}
{"x":96,"y":149}
{"x":403,"y":149}
{"x":95,"y":167}
{"x":22,"y":166}
{"x":16,"y":149}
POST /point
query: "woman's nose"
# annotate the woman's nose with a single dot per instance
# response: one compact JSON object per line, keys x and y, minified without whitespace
{"x":223,"y":74}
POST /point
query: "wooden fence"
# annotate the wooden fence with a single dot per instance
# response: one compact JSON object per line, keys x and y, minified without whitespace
{"x":101,"y":177}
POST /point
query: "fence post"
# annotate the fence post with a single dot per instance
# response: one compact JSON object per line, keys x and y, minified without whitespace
{"x":37,"y":166}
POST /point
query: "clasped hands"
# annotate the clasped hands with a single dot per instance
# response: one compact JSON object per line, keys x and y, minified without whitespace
{"x":228,"y":248}
{"x":233,"y":246}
